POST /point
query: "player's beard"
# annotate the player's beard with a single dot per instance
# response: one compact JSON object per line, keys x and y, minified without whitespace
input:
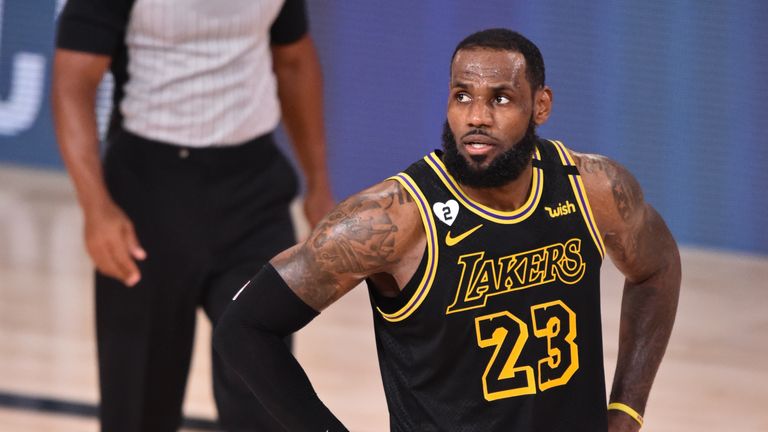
{"x":503,"y":169}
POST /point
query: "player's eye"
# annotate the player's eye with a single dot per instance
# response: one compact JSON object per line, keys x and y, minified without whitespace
{"x":502,"y":100}
{"x":462,"y":97}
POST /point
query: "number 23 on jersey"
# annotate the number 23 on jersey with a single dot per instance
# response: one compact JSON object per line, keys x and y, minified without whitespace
{"x":508,"y":334}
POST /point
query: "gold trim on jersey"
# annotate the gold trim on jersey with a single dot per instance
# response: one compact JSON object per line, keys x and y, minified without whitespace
{"x":430,"y":229}
{"x":580,"y":193}
{"x":498,"y":216}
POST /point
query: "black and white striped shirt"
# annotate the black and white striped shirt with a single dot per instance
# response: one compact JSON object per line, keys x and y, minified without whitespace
{"x":191,"y":72}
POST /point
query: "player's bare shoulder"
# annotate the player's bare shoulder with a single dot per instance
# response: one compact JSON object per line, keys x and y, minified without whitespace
{"x":367,"y":233}
{"x":613,"y":191}
{"x":635,"y":235}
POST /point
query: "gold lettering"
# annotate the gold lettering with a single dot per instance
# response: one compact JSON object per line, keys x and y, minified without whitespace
{"x":465,"y":299}
{"x":481,"y":278}
{"x":506,"y":273}
{"x":487,"y":278}
{"x":537,"y":273}
{"x":571,"y":208}
{"x":571,"y":267}
{"x":555,"y":253}
{"x":561,"y":210}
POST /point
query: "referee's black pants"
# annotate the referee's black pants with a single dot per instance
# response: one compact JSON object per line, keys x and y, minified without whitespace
{"x":208,"y":219}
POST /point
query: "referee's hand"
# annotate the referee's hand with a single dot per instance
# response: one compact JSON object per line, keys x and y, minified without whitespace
{"x":318,"y":201}
{"x":112,"y":244}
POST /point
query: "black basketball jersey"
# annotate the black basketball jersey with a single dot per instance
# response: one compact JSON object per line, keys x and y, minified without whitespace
{"x":499,"y":329}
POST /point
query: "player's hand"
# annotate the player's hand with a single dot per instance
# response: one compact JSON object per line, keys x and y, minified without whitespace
{"x":318,"y":201}
{"x":112,"y":244}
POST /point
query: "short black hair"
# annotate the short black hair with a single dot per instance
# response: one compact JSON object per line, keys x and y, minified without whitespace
{"x":507,"y":40}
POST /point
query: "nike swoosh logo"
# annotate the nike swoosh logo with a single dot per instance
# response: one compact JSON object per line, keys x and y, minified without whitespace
{"x":453,"y":241}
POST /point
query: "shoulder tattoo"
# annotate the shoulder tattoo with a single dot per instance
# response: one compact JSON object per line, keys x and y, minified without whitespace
{"x":355,"y":240}
{"x":627,"y":194}
{"x":355,"y":237}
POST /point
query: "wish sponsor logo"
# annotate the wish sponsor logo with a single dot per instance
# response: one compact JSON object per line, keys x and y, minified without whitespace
{"x":562,"y":209}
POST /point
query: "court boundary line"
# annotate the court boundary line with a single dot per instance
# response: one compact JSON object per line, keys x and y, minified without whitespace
{"x":51,"y":405}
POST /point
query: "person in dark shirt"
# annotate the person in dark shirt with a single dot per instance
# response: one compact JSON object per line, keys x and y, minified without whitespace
{"x":483,"y":266}
{"x":192,"y":196}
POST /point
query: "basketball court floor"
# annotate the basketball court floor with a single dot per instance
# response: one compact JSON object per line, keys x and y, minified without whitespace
{"x":714,"y":376}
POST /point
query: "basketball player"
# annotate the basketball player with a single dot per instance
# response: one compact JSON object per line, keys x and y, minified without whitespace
{"x":483,"y":266}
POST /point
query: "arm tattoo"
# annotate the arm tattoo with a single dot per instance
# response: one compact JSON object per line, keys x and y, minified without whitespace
{"x":355,"y":240}
{"x":627,"y":194}
{"x":644,"y":250}
{"x":355,"y":237}
{"x":403,"y":197}
{"x":634,"y":245}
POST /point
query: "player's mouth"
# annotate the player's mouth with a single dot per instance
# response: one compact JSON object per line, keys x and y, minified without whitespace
{"x":476,"y":145}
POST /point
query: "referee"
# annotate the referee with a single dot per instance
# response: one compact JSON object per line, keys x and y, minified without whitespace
{"x":191,"y":196}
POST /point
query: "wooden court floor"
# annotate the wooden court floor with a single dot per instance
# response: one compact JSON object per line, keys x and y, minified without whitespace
{"x":714,"y":376}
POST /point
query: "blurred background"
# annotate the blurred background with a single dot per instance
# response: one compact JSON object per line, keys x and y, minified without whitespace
{"x":677,"y":91}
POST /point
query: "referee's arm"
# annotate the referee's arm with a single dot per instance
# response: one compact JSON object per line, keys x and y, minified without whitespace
{"x":89,"y":32}
{"x":300,"y":90}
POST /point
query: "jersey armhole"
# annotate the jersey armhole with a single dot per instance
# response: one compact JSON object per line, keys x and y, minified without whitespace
{"x":390,"y":305}
{"x":428,"y":267}
{"x":580,"y":193}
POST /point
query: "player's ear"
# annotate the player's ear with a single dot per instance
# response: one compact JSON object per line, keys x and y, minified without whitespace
{"x":542,"y":105}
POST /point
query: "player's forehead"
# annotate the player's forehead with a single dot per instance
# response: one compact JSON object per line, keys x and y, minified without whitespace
{"x":482,"y":65}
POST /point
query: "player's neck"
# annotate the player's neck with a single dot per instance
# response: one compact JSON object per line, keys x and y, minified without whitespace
{"x":508,"y":197}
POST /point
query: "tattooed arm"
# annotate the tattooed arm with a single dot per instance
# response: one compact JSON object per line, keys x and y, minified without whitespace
{"x":374,"y":233}
{"x":642,"y":248}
